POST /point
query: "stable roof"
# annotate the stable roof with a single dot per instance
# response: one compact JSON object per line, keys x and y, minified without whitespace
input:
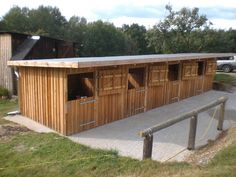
{"x":84,"y":62}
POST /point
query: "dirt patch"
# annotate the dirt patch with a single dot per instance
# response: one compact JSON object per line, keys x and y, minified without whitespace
{"x":204,"y":155}
{"x":9,"y":130}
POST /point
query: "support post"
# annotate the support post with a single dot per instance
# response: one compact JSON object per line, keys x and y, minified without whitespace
{"x":221,"y":116}
{"x":147,"y":147}
{"x":192,"y":132}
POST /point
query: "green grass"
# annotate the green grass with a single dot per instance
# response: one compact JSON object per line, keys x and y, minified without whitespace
{"x":52,"y":155}
{"x":225,"y":78}
{"x":5,"y":107}
{"x":35,"y":154}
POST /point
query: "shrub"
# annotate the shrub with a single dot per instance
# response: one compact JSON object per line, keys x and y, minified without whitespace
{"x":4,"y":92}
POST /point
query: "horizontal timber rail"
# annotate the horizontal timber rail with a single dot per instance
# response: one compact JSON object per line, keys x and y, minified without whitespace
{"x":192,"y":115}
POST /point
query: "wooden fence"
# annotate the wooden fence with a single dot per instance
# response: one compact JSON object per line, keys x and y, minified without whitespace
{"x":147,"y":134}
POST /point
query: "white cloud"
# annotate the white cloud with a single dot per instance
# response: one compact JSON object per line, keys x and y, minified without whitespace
{"x":224,"y":24}
{"x":148,"y":22}
{"x":92,"y":9}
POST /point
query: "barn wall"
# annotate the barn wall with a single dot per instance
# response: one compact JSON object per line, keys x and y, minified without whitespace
{"x":42,"y":96}
{"x":51,"y":48}
{"x":45,"y":99}
{"x":5,"y":55}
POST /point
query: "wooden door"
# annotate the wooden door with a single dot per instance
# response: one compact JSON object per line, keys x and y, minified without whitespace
{"x":136,"y":91}
{"x":157,"y":79}
{"x":81,"y":114}
{"x":199,"y":85}
{"x":111,"y":85}
{"x":173,"y":89}
{"x":135,"y":101}
{"x":81,"y":102}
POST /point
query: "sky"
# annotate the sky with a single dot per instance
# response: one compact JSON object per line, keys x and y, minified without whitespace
{"x":222,"y":13}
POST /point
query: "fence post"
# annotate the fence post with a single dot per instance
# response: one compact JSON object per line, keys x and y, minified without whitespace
{"x":147,"y":147}
{"x":221,"y":116}
{"x":192,"y":132}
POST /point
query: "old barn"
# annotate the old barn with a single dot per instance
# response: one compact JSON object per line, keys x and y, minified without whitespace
{"x":76,"y":94}
{"x":17,"y":46}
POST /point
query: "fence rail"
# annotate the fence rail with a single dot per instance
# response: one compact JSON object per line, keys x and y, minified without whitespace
{"x":147,"y":134}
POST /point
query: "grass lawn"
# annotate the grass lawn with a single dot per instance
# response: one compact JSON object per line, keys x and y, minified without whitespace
{"x":226,"y":78}
{"x":33,"y":154}
{"x":5,"y":107}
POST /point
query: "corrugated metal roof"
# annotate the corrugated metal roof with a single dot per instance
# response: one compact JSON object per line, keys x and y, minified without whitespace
{"x":83,"y":62}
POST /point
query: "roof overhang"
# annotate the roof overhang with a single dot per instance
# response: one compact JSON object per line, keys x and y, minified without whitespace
{"x":85,"y":62}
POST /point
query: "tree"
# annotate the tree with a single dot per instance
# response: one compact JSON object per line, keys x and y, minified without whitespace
{"x":76,"y":31}
{"x":138,"y":34}
{"x":16,"y":20}
{"x":42,"y":21}
{"x":49,"y":20}
{"x":174,"y":33}
{"x":104,"y":39}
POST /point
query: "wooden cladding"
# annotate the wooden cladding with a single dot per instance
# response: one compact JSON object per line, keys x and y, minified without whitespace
{"x":110,"y":81}
{"x":189,"y":70}
{"x":42,"y":96}
{"x":210,"y":67}
{"x":158,"y":74}
{"x":6,"y":73}
{"x":74,"y":100}
{"x":80,"y":115}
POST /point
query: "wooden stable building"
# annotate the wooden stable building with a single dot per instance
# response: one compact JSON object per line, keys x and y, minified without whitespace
{"x":77,"y":94}
{"x":18,"y":46}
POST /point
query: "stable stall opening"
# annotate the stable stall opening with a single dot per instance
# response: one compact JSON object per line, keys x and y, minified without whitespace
{"x":200,"y":68}
{"x":173,"y":74}
{"x":80,"y":86}
{"x":136,"y":78}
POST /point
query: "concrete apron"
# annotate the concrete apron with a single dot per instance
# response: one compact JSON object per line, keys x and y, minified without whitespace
{"x":168,"y":145}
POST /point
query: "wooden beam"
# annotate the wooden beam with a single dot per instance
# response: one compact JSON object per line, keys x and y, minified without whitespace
{"x":192,"y":132}
{"x":184,"y":116}
{"x":221,"y":116}
{"x":147,"y":147}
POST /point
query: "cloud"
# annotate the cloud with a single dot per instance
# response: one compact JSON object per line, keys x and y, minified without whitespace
{"x":148,"y":22}
{"x":146,"y":12}
{"x":219,"y":13}
{"x":131,"y":11}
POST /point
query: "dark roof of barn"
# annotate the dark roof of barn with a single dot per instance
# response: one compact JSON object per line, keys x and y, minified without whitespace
{"x":85,"y":62}
{"x":26,"y":34}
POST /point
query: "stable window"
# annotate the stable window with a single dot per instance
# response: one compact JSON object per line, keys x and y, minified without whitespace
{"x":136,"y":78}
{"x":200,"y":68}
{"x":173,"y":73}
{"x":80,"y":86}
{"x":158,"y":74}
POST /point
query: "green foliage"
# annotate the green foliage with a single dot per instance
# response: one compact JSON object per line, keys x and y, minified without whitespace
{"x":103,"y":39}
{"x":138,"y":34}
{"x":180,"y":31}
{"x":4,"y":92}
{"x":177,"y":32}
{"x":46,"y":21}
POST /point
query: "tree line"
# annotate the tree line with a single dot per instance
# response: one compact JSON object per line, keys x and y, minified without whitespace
{"x":182,"y":31}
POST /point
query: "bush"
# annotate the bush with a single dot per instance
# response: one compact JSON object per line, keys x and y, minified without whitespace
{"x":4,"y":92}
